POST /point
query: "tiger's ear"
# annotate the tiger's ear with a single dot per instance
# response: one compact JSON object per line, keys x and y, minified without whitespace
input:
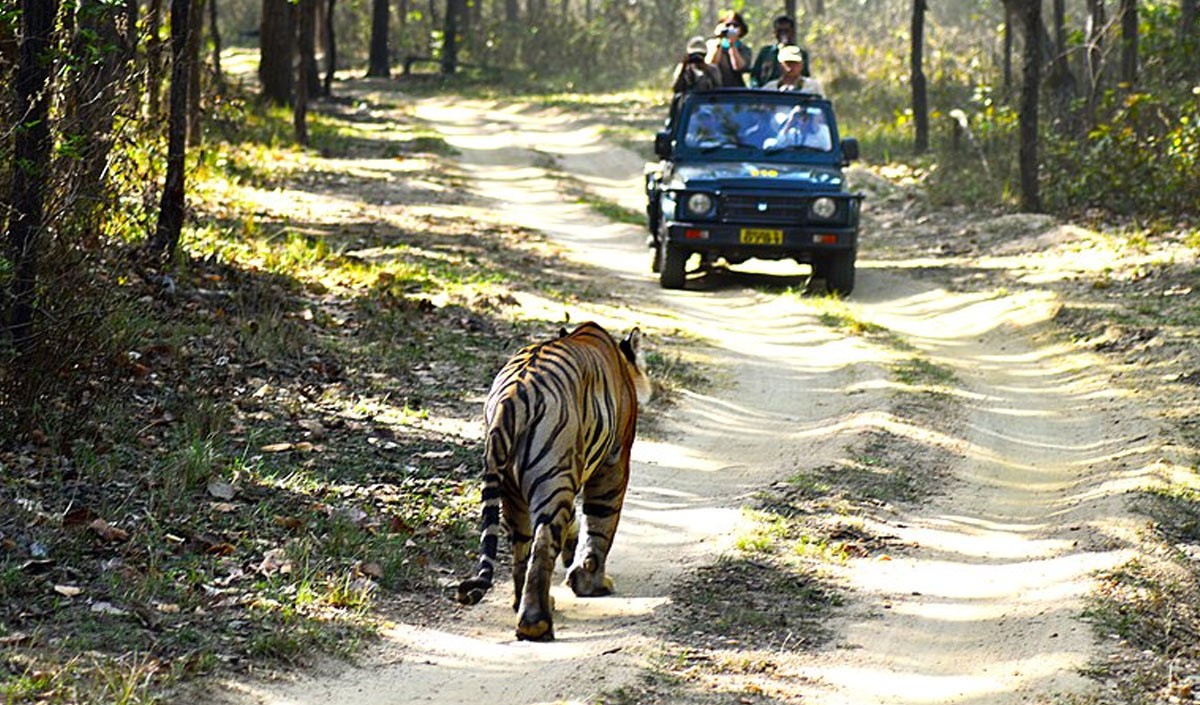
{"x":631,"y":346}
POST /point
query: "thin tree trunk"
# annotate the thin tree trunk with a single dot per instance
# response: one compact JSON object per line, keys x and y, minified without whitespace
{"x":195,"y":133}
{"x":379,"y":63}
{"x":154,"y":61}
{"x":277,"y":46}
{"x":1097,"y":21}
{"x":1028,"y":114}
{"x":330,"y":50}
{"x":920,"y":99}
{"x":31,"y":163}
{"x":171,"y":209}
{"x":1129,"y":43}
{"x":450,"y":37}
{"x":215,"y":32}
{"x":1063,"y":87}
{"x":1008,"y":50}
{"x":304,"y":40}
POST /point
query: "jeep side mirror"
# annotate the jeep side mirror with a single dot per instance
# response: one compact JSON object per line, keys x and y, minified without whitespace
{"x":662,"y":145}
{"x":849,"y":149}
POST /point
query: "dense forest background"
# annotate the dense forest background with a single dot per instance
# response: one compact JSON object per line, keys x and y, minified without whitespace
{"x":116,"y":113}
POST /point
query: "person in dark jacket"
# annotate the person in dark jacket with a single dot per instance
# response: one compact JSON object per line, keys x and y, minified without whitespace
{"x":766,"y":65}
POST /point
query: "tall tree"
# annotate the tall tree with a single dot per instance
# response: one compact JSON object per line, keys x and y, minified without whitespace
{"x":1063,"y":87}
{"x":1027,"y":117}
{"x":31,"y":163}
{"x":306,"y":30}
{"x":379,"y":60}
{"x":920,"y":98}
{"x":195,"y":44}
{"x":1129,"y":42}
{"x":277,"y":46}
{"x":171,"y":207}
{"x":214,"y":31}
{"x":330,"y":50}
{"x":454,"y":10}
{"x":1096,"y":24}
{"x":306,"y":47}
{"x":154,"y":60}
{"x":1008,"y":49}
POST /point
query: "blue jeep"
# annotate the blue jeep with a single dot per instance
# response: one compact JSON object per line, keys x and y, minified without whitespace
{"x":751,"y":173}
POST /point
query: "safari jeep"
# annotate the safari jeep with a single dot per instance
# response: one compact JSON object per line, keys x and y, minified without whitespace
{"x":751,"y":173}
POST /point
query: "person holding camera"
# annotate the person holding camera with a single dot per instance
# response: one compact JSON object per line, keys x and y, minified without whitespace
{"x":694,"y":73}
{"x":727,"y":52}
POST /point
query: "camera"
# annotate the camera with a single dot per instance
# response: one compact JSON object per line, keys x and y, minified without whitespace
{"x":694,"y":58}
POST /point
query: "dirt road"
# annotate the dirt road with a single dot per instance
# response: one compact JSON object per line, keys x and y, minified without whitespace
{"x":982,"y":607}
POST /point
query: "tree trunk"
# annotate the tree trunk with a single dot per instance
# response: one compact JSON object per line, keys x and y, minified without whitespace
{"x":450,"y":37}
{"x":215,"y":32}
{"x":1028,"y":114}
{"x":1097,"y":20}
{"x":920,"y":99}
{"x":306,"y":31}
{"x":306,"y":46}
{"x":1008,"y":50}
{"x":154,"y":61}
{"x":195,"y":132}
{"x":171,"y":209}
{"x":379,"y":63}
{"x":1063,"y":87}
{"x":1129,"y":43}
{"x":31,"y":163}
{"x":277,"y":43}
{"x":330,"y":50}
{"x":789,"y":9}
{"x":512,"y":11}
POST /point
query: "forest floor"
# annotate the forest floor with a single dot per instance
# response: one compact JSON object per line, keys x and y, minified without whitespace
{"x":972,"y":482}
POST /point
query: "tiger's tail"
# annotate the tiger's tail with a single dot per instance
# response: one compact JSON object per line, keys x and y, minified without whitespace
{"x":496,"y":458}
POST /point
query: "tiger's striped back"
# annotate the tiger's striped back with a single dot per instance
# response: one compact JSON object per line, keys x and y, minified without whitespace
{"x":561,"y":417}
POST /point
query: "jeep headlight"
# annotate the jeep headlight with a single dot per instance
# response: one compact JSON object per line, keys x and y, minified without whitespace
{"x":698,"y":204}
{"x":824,"y":207}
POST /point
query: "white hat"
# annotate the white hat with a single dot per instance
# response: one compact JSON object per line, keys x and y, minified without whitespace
{"x":790,"y":53}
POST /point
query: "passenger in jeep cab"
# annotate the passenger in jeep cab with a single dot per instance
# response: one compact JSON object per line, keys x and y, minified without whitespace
{"x":766,"y":65}
{"x":791,"y":58}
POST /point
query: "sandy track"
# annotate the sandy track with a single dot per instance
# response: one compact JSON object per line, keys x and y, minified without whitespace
{"x":984,"y":608}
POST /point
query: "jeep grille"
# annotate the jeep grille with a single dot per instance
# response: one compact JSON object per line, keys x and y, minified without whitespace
{"x":762,"y":209}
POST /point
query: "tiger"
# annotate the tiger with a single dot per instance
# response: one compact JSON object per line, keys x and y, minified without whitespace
{"x":560,"y":420}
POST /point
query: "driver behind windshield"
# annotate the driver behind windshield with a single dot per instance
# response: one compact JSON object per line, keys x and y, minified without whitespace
{"x":802,"y":127}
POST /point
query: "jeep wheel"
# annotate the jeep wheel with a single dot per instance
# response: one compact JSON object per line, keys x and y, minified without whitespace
{"x":839,"y":273}
{"x":672,"y":274}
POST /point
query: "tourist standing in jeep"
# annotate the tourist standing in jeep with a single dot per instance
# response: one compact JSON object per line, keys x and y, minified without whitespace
{"x":728,"y":53}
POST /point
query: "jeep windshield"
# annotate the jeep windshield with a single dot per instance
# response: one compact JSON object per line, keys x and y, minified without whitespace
{"x":782,"y":126}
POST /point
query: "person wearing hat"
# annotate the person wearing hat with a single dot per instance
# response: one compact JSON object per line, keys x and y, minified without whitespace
{"x":727,"y":52}
{"x":694,"y":73}
{"x":792,"y":61}
{"x":766,"y":64}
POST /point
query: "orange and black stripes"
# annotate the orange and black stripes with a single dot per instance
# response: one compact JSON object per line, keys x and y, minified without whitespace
{"x":561,"y":417}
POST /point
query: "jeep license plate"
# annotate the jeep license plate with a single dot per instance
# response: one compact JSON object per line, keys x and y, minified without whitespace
{"x":761,"y":236}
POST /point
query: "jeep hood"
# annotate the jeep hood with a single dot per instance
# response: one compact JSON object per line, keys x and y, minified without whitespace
{"x":756,"y":175}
